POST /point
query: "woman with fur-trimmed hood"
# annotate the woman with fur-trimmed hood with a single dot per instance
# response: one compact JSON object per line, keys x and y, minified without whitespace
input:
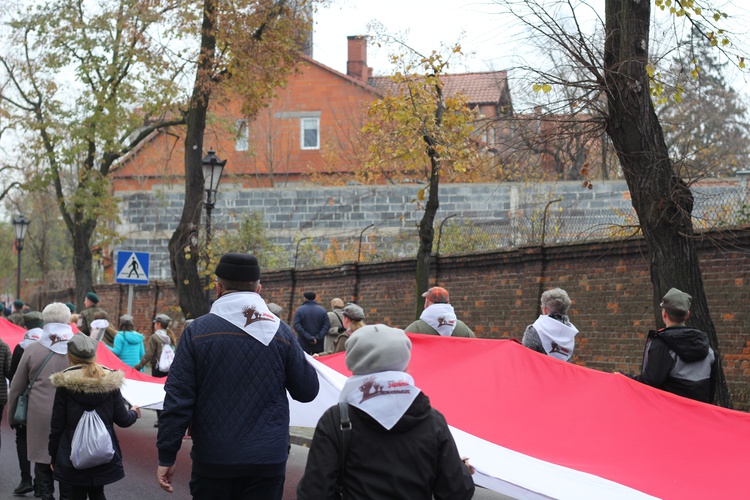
{"x":85,"y":386}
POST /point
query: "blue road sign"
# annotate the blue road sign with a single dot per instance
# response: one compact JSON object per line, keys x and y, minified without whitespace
{"x":132,"y":267}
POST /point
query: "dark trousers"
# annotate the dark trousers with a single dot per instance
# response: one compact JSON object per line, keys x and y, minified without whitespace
{"x":84,"y":492}
{"x":236,"y":488}
{"x":22,"y":452}
{"x":46,"y":482}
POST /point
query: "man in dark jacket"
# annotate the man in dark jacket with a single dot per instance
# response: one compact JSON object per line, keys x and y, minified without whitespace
{"x":91,"y":301}
{"x":399,"y":446}
{"x":311,"y":324}
{"x":228,"y":381}
{"x":678,"y":358}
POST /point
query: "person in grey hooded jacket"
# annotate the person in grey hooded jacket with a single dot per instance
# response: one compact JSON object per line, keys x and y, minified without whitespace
{"x":678,"y":358}
{"x":552,"y":333}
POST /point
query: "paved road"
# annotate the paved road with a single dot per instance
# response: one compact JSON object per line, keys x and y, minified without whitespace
{"x":139,"y":451}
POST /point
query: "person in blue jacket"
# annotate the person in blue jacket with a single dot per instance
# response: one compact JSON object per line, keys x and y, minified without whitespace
{"x":311,"y":324}
{"x":229,"y":382}
{"x":128,"y":345}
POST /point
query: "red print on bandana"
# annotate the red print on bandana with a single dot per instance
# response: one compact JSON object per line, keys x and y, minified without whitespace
{"x":371,"y":389}
{"x":252,"y":315}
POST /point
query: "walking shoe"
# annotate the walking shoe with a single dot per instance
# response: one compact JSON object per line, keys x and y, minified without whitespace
{"x":23,"y":488}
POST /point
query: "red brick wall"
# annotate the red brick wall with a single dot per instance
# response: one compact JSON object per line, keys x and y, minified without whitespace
{"x":497,"y":294}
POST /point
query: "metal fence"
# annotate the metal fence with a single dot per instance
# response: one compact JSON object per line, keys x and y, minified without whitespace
{"x":551,"y":221}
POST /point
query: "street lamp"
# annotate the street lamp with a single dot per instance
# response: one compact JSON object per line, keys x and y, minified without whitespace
{"x":20,"y":226}
{"x":212,"y":169}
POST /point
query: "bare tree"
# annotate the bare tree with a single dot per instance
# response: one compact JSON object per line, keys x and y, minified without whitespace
{"x":616,"y":62}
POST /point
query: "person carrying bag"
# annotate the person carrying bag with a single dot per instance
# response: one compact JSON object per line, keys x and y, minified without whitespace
{"x":85,"y":452}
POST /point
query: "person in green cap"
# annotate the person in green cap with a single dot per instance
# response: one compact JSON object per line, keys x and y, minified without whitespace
{"x":678,"y":358}
{"x":16,"y":317}
{"x":87,"y":315}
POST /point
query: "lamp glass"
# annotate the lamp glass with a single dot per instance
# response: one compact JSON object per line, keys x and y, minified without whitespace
{"x":20,"y":226}
{"x":212,"y":169}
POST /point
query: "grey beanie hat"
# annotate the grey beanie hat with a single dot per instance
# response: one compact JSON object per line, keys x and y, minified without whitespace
{"x":377,"y":348}
{"x":354,"y":312}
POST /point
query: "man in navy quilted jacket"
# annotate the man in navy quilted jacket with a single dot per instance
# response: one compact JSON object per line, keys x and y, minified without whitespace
{"x":228,"y":382}
{"x":311,"y":324}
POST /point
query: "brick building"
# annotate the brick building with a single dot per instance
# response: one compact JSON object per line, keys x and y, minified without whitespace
{"x":308,"y":131}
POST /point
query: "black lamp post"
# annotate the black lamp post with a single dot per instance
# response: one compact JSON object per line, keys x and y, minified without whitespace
{"x":212,"y":169}
{"x":20,"y":226}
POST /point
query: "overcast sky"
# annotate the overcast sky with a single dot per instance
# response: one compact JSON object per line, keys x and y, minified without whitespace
{"x":425,"y":23}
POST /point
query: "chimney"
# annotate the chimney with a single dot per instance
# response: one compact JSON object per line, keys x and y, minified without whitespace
{"x":356,"y":64}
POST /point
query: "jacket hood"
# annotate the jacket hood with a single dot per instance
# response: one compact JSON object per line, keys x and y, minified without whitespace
{"x":688,"y":343}
{"x":74,"y":380}
{"x":132,"y":337}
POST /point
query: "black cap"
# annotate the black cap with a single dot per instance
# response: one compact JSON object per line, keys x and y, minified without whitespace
{"x":238,"y":267}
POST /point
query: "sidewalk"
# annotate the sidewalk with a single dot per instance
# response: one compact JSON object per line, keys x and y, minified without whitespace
{"x":301,"y":435}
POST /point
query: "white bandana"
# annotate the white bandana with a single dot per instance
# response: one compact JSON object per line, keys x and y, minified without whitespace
{"x":385,"y":396}
{"x":558,"y":339}
{"x":97,"y":327}
{"x":100,"y":323}
{"x":55,"y":337}
{"x":248,"y":311}
{"x":30,"y":336}
{"x":441,"y":317}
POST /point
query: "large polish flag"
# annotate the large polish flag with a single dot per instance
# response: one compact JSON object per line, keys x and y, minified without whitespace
{"x":139,"y":389}
{"x":537,"y":427}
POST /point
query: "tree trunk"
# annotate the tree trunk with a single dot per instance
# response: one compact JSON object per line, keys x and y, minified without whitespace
{"x":662,"y":201}
{"x":427,"y":233}
{"x":183,"y":246}
{"x":83,"y":259}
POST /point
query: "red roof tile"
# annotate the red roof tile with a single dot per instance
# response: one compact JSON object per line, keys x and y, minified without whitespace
{"x":479,"y":88}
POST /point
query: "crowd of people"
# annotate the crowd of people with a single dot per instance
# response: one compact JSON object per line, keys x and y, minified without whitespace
{"x":240,"y":450}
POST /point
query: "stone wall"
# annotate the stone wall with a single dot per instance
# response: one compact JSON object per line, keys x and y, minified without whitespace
{"x":150,"y":217}
{"x":497,"y":294}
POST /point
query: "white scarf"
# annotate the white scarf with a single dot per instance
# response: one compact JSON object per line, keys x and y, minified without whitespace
{"x":30,"y":336}
{"x":441,"y":317}
{"x":249,"y":312}
{"x":385,"y":396}
{"x":55,"y":337}
{"x":558,"y":339}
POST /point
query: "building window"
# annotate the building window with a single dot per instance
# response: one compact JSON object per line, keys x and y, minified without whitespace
{"x":241,"y":137}
{"x":310,"y":133}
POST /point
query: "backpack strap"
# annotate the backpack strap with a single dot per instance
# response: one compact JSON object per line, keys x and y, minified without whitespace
{"x":345,"y":424}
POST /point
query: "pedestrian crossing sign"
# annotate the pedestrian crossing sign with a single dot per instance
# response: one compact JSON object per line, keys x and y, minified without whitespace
{"x":132,"y":267}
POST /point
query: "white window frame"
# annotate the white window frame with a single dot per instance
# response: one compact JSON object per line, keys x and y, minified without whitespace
{"x":242,"y":135}
{"x":302,"y":122}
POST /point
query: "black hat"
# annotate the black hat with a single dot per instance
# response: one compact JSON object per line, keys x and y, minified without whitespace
{"x":309,"y":295}
{"x":71,"y":307}
{"x":18,"y":303}
{"x":93,"y":297}
{"x":238,"y":267}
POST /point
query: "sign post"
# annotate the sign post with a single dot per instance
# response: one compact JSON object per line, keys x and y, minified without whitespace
{"x":132,"y":269}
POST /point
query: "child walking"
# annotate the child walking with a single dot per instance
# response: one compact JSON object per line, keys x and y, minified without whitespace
{"x":84,"y":386}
